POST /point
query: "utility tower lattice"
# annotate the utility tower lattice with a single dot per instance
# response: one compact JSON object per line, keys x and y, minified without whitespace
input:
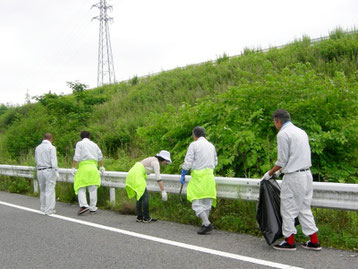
{"x":106,"y":74}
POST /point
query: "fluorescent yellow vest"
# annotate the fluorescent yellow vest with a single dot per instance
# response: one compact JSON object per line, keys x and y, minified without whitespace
{"x":87,"y":175}
{"x":202,"y":185}
{"x":136,"y":181}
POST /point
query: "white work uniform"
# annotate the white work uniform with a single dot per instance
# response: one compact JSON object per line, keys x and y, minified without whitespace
{"x":46,"y":165}
{"x":294,"y":156}
{"x":151,"y":165}
{"x":201,"y":154}
{"x":87,"y":150}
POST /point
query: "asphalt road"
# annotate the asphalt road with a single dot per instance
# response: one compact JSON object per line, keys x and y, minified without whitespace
{"x":29,"y":239}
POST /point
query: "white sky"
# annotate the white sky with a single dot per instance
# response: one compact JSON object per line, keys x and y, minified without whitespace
{"x":45,"y":43}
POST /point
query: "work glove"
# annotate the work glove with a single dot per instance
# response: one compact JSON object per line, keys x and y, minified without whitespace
{"x":182,"y":177}
{"x":73,"y":171}
{"x":277,"y":174}
{"x":57,"y":175}
{"x":102,"y":170}
{"x":266,"y":176}
{"x":164,"y":196}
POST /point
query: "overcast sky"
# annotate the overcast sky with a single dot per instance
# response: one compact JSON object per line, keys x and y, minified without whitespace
{"x":46,"y":43}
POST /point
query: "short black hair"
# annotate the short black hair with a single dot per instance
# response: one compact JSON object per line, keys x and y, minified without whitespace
{"x":199,"y":131}
{"x":85,"y":134}
{"x":160,"y":159}
{"x":281,"y":114}
{"x":47,"y":136}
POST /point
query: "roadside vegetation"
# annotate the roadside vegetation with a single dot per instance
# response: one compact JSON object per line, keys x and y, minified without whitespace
{"x":233,"y":98}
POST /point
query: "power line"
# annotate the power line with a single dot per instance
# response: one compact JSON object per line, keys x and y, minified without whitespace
{"x":106,"y":73}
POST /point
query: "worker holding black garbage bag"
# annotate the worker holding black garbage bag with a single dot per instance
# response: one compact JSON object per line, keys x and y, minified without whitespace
{"x":294,"y":161}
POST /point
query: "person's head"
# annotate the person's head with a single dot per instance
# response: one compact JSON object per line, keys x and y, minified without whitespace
{"x":280,"y":117}
{"x":85,"y":134}
{"x":198,"y":132}
{"x":164,"y":157}
{"x":48,"y":137}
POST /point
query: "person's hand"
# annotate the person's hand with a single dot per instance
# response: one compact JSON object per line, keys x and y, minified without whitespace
{"x":73,"y":171}
{"x":266,"y":176}
{"x":277,"y":174}
{"x":182,"y":177}
{"x":164,"y":196}
{"x":102,"y":170}
{"x":57,"y":175}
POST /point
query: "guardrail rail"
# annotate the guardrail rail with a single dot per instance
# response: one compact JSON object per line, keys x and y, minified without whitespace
{"x":325,"y":195}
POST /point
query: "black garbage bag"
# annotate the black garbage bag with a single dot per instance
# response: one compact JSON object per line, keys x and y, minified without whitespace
{"x":268,"y":213}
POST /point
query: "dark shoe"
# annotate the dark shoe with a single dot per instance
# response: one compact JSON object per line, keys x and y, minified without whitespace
{"x":285,"y":246}
{"x":313,"y":246}
{"x":82,"y":210}
{"x":147,"y":220}
{"x":139,"y":219}
{"x":205,"y":229}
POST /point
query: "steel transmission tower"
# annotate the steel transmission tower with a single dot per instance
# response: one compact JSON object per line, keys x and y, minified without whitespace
{"x":106,"y":74}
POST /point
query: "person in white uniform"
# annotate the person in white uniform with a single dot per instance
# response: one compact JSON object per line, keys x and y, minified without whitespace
{"x":294,"y":160}
{"x":87,"y":155}
{"x":201,"y":158}
{"x":47,"y":173}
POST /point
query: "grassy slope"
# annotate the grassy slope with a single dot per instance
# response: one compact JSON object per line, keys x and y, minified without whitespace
{"x":136,"y":104}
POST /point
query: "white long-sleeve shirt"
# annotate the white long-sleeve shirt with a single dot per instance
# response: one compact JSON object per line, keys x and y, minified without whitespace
{"x":45,"y":155}
{"x":293,"y":149}
{"x":87,"y":150}
{"x":151,"y":165}
{"x":201,"y":154}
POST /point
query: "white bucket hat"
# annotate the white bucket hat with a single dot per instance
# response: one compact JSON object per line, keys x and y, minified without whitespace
{"x":165,"y":155}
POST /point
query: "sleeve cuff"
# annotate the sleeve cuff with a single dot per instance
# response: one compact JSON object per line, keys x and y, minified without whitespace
{"x":280,"y":164}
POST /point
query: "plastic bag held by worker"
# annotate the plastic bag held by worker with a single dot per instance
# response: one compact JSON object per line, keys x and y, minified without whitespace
{"x":268,"y":213}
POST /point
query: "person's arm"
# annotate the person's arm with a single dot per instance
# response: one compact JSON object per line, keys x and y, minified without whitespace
{"x":53,"y":158}
{"x":99,"y":154}
{"x":36,"y":158}
{"x":216,"y":157}
{"x":282,"y":150}
{"x":161,"y":185}
{"x":156,"y":169}
{"x":282,"y":155}
{"x":189,"y":158}
{"x":274,"y":169}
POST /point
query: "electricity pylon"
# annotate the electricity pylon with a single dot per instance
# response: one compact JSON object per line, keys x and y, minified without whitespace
{"x":106,"y":74}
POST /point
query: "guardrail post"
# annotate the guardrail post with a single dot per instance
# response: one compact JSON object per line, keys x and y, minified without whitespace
{"x":112,"y":195}
{"x":36,"y":185}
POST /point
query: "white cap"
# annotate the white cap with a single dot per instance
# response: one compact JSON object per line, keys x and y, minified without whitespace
{"x":165,"y":155}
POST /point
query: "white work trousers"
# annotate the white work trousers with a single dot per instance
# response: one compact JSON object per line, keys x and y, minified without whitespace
{"x":202,"y":209}
{"x":47,"y":183}
{"x":296,"y":197}
{"x":82,"y":199}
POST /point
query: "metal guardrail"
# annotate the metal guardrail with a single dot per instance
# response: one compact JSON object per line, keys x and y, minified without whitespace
{"x":325,"y":195}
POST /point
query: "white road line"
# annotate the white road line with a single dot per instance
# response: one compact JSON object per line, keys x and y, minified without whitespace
{"x":161,"y":240}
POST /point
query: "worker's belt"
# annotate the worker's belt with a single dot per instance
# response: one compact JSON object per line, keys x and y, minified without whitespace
{"x":302,"y":170}
{"x":40,"y":169}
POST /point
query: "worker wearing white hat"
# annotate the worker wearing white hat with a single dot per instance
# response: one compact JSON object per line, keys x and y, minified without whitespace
{"x":136,"y":182}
